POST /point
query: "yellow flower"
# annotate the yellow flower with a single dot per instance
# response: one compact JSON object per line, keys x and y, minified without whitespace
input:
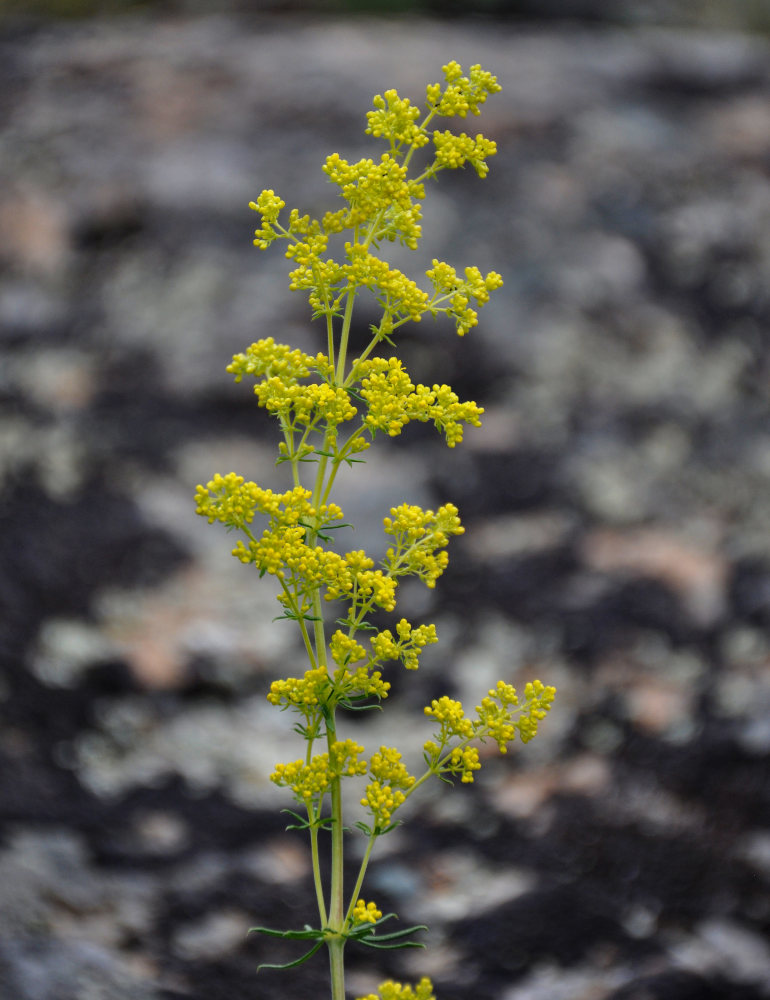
{"x":394,"y":119}
{"x":345,"y":650}
{"x":501,"y":714}
{"x":451,"y":716}
{"x":365,"y":913}
{"x":456,"y":150}
{"x":411,"y":642}
{"x":382,"y":801}
{"x":386,"y":767}
{"x":390,"y":990}
{"x":310,"y":781}
{"x":418,"y":536}
{"x":269,"y":205}
{"x":464,"y":762}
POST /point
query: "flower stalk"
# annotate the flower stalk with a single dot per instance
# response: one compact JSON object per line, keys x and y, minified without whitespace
{"x":319,"y":401}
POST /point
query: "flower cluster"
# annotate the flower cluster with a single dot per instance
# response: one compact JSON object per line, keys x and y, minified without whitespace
{"x":265,"y":357}
{"x":462,"y":93}
{"x":305,"y":693}
{"x":390,"y":990}
{"x":456,"y":150}
{"x":307,"y":405}
{"x":234,"y":502}
{"x":362,"y":683}
{"x":500,"y":716}
{"x":407,"y":647}
{"x":399,"y":296}
{"x":373,"y":188}
{"x":229,"y":499}
{"x":385,"y":793}
{"x":280,"y":390}
{"x":386,"y":767}
{"x":283,"y":550}
{"x":366,"y":587}
{"x":394,"y":119}
{"x":458,"y":292}
{"x":309,"y":781}
{"x":317,"y":689}
{"x":345,"y":649}
{"x":269,"y":206}
{"x":463,"y":761}
{"x":496,"y":712}
{"x":365,"y":913}
{"x":450,"y":715}
{"x":393,"y":400}
{"x":419,"y":535}
{"x":383,"y":202}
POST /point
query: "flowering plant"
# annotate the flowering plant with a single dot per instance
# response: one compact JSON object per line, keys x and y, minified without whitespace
{"x":329,"y":410}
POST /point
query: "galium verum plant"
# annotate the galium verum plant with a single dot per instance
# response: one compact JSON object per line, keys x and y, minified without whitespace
{"x":329,"y":409}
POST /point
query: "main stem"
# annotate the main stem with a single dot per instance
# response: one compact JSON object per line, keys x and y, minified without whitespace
{"x":334,"y":918}
{"x":336,"y":944}
{"x":337,"y":967}
{"x":337,"y":916}
{"x":336,"y":921}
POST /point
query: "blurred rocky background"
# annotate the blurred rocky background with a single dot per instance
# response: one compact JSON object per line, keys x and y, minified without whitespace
{"x":617,"y":500}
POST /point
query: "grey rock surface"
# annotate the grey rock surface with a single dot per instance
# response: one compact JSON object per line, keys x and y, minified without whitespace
{"x":617,"y":504}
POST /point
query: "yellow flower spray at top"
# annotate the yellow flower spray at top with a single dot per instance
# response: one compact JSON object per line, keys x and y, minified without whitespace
{"x":329,"y":409}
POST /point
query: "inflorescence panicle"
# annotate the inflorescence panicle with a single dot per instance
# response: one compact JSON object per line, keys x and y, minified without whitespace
{"x":329,"y":408}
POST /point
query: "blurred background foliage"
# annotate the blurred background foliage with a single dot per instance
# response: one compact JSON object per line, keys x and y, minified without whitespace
{"x":739,"y":15}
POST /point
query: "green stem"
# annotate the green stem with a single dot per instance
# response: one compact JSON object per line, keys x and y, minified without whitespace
{"x":336,"y":943}
{"x":344,"y":335}
{"x":332,"y":476}
{"x":329,"y":332}
{"x":423,"y":125}
{"x":319,"y":889}
{"x":368,"y":350}
{"x":332,"y":917}
{"x":360,"y":879}
{"x":294,"y":608}
{"x":337,"y":966}
{"x":438,"y":767}
{"x":336,"y":902}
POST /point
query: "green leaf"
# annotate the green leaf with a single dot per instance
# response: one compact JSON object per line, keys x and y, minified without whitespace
{"x":300,"y":819}
{"x":322,"y":823}
{"x":347,"y":703}
{"x":291,"y":616}
{"x":406,"y":944}
{"x":387,"y":829}
{"x":292,"y":965}
{"x":393,"y":940}
{"x":327,"y":713}
{"x":360,"y":626}
{"x":308,"y":934}
{"x":395,"y":935}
